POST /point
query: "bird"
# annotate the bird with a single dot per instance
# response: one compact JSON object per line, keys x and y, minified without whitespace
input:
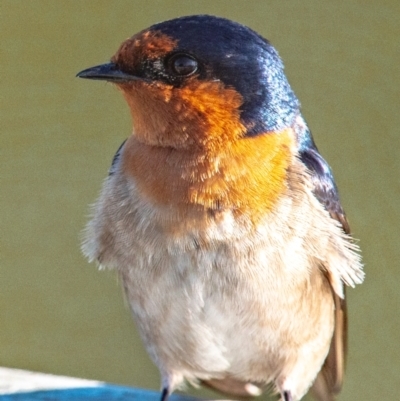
{"x":221,"y":218}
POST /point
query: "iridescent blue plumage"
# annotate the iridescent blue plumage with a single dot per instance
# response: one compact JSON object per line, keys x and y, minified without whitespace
{"x":269,"y":103}
{"x":325,"y":188}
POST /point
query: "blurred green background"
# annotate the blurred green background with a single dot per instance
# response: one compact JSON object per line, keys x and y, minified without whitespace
{"x":58,"y":135}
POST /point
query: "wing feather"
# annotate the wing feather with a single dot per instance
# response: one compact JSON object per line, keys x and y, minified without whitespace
{"x":330,"y":379}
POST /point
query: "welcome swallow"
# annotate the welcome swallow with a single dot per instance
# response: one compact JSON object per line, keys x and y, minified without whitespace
{"x":221,"y":218}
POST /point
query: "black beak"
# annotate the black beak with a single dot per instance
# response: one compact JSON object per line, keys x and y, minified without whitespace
{"x":107,"y":72}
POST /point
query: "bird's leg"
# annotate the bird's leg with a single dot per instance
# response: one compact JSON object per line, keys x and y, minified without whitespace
{"x":165,"y":394}
{"x":287,"y":396}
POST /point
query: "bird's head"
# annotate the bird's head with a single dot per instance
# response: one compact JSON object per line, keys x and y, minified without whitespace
{"x":200,"y":82}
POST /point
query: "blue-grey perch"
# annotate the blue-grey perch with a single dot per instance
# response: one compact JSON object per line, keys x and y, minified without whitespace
{"x":19,"y":385}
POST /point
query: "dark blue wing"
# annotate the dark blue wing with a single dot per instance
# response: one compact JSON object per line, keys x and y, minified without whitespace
{"x":325,"y":188}
{"x":329,"y":381}
{"x":115,"y":159}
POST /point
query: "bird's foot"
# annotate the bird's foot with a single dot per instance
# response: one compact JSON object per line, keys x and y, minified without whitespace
{"x":165,"y":394}
{"x":287,"y":396}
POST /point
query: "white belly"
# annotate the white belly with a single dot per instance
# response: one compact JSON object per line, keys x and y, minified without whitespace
{"x":233,"y":309}
{"x":214,"y":296}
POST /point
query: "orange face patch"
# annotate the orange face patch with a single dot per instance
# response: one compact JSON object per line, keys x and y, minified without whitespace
{"x":199,"y":115}
{"x":145,"y":45}
{"x":189,"y":147}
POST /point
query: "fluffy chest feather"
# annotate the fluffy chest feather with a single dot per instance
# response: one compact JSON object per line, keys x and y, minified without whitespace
{"x":212,"y":284}
{"x":216,"y":292}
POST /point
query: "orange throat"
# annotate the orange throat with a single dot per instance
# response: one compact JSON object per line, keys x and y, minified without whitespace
{"x":189,"y":151}
{"x":246,"y":176}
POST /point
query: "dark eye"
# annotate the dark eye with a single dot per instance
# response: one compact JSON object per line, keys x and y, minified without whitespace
{"x":183,"y":65}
